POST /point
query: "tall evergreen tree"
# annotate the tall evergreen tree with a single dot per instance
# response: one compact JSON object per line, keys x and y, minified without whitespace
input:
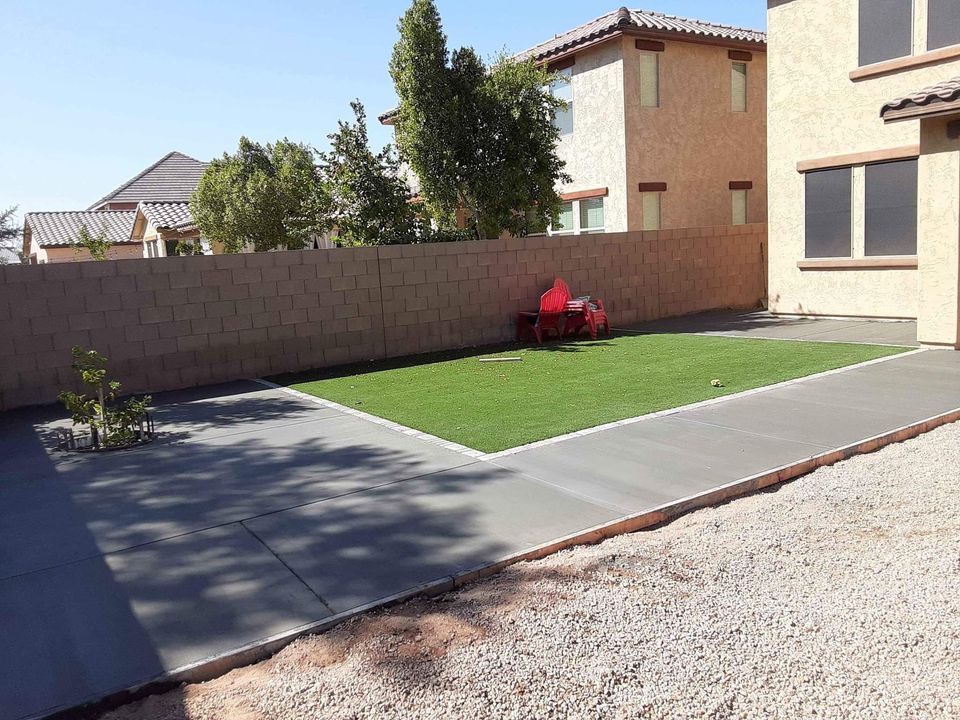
{"x":369,"y":199}
{"x":480,"y":139}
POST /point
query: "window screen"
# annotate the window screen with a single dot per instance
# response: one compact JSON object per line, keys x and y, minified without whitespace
{"x":891,"y":210}
{"x":563,"y":89}
{"x":564,"y":221}
{"x":739,"y":207}
{"x":828,"y":213}
{"x":886,"y":30}
{"x":591,"y":215}
{"x":738,"y":87}
{"x":943,"y":23}
{"x":649,"y":80}
{"x":651,"y":211}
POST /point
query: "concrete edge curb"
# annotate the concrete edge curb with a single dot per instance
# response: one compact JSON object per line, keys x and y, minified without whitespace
{"x":217,"y":666}
{"x":480,"y":455}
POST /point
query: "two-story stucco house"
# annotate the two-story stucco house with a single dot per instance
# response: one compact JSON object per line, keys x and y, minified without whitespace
{"x":864,"y":161}
{"x":666,"y":124}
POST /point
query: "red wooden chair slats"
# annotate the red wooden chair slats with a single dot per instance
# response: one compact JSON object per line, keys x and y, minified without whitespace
{"x":561,"y":314}
{"x":550,"y":318}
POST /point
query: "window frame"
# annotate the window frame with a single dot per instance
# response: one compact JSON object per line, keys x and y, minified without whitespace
{"x":746,"y":85}
{"x":745,"y":194}
{"x":578,"y":228}
{"x":861,"y":62}
{"x":931,"y":23}
{"x":568,"y":112}
{"x":850,"y":211}
{"x":867,"y":209}
{"x":658,"y":194}
{"x":656,"y":60}
{"x":603,"y":211}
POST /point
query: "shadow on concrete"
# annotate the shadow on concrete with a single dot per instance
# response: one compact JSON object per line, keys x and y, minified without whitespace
{"x":118,"y":566}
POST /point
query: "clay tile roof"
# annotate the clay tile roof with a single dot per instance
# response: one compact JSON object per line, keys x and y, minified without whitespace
{"x":173,"y":178}
{"x":639,"y":21}
{"x":60,"y":229}
{"x":947,"y":91}
{"x":168,"y":216}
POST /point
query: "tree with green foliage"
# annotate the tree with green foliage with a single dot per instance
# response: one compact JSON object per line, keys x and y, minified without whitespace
{"x":370,"y":203}
{"x":263,"y":196}
{"x":479,"y":138}
{"x":97,"y":245}
{"x":11,"y":237}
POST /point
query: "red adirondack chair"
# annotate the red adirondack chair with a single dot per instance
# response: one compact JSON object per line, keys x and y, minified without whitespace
{"x":592,"y":318}
{"x":550,"y":318}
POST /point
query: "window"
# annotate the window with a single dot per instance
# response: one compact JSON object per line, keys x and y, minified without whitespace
{"x":563,"y":89}
{"x":564,"y":223}
{"x":886,"y":30}
{"x":829,"y":197}
{"x":649,"y":80}
{"x":651,"y":210}
{"x":738,"y":87}
{"x":591,"y":215}
{"x":739,"y":207}
{"x":891,"y":209}
{"x":579,"y":217}
{"x":943,"y":23}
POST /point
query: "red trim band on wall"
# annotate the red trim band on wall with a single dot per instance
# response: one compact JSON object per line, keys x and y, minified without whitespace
{"x":741,"y":185}
{"x":653,"y":187}
{"x":651,"y":45}
{"x":562,"y":64}
{"x":585,"y":194}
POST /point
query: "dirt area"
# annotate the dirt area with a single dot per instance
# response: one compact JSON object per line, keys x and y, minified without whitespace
{"x":835,"y":596}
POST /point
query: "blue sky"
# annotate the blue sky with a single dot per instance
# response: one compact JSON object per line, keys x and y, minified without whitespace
{"x":93,"y":92}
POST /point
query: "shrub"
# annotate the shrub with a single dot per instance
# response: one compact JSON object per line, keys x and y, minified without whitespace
{"x":110,"y":426}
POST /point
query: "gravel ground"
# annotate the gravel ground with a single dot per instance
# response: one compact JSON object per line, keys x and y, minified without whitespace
{"x":836,"y":596}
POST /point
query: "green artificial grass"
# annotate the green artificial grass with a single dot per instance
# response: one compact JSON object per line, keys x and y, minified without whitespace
{"x":561,"y":388}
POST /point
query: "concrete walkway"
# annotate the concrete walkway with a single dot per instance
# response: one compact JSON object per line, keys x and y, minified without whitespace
{"x":261,"y":512}
{"x":764,"y":325}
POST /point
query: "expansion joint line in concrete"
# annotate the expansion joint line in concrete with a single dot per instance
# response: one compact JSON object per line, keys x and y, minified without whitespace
{"x":290,"y":569}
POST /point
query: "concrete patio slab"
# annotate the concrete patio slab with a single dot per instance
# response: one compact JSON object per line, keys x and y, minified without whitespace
{"x":360,"y":548}
{"x":86,"y":629}
{"x":60,"y":508}
{"x":765,"y":325}
{"x":288,"y":522}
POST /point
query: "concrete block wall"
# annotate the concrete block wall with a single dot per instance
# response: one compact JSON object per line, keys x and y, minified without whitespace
{"x":169,"y":323}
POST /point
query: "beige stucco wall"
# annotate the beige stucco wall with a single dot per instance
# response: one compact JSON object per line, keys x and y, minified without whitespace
{"x":938,"y":239}
{"x":694,"y":141}
{"x":69,"y":254}
{"x":817,"y":111}
{"x":595,"y":152}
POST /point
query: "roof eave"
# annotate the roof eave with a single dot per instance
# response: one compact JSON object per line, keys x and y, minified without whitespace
{"x":646,"y":33}
{"x":937,"y":108}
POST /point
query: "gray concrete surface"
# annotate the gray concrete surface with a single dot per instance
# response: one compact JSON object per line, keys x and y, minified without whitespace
{"x":764,"y":325}
{"x":259,"y":512}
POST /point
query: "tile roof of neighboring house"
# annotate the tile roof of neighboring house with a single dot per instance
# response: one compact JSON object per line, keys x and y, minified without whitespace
{"x":168,"y":216}
{"x":641,"y":22}
{"x":60,"y":229}
{"x":173,"y":178}
{"x":947,"y":91}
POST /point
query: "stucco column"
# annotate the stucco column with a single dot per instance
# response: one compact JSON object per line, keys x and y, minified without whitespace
{"x":938,"y":238}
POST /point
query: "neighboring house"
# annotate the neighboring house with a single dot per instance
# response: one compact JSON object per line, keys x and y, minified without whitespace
{"x":50,"y":237}
{"x":864,"y":217}
{"x":666,"y":126}
{"x":163,"y":228}
{"x":147,"y":216}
